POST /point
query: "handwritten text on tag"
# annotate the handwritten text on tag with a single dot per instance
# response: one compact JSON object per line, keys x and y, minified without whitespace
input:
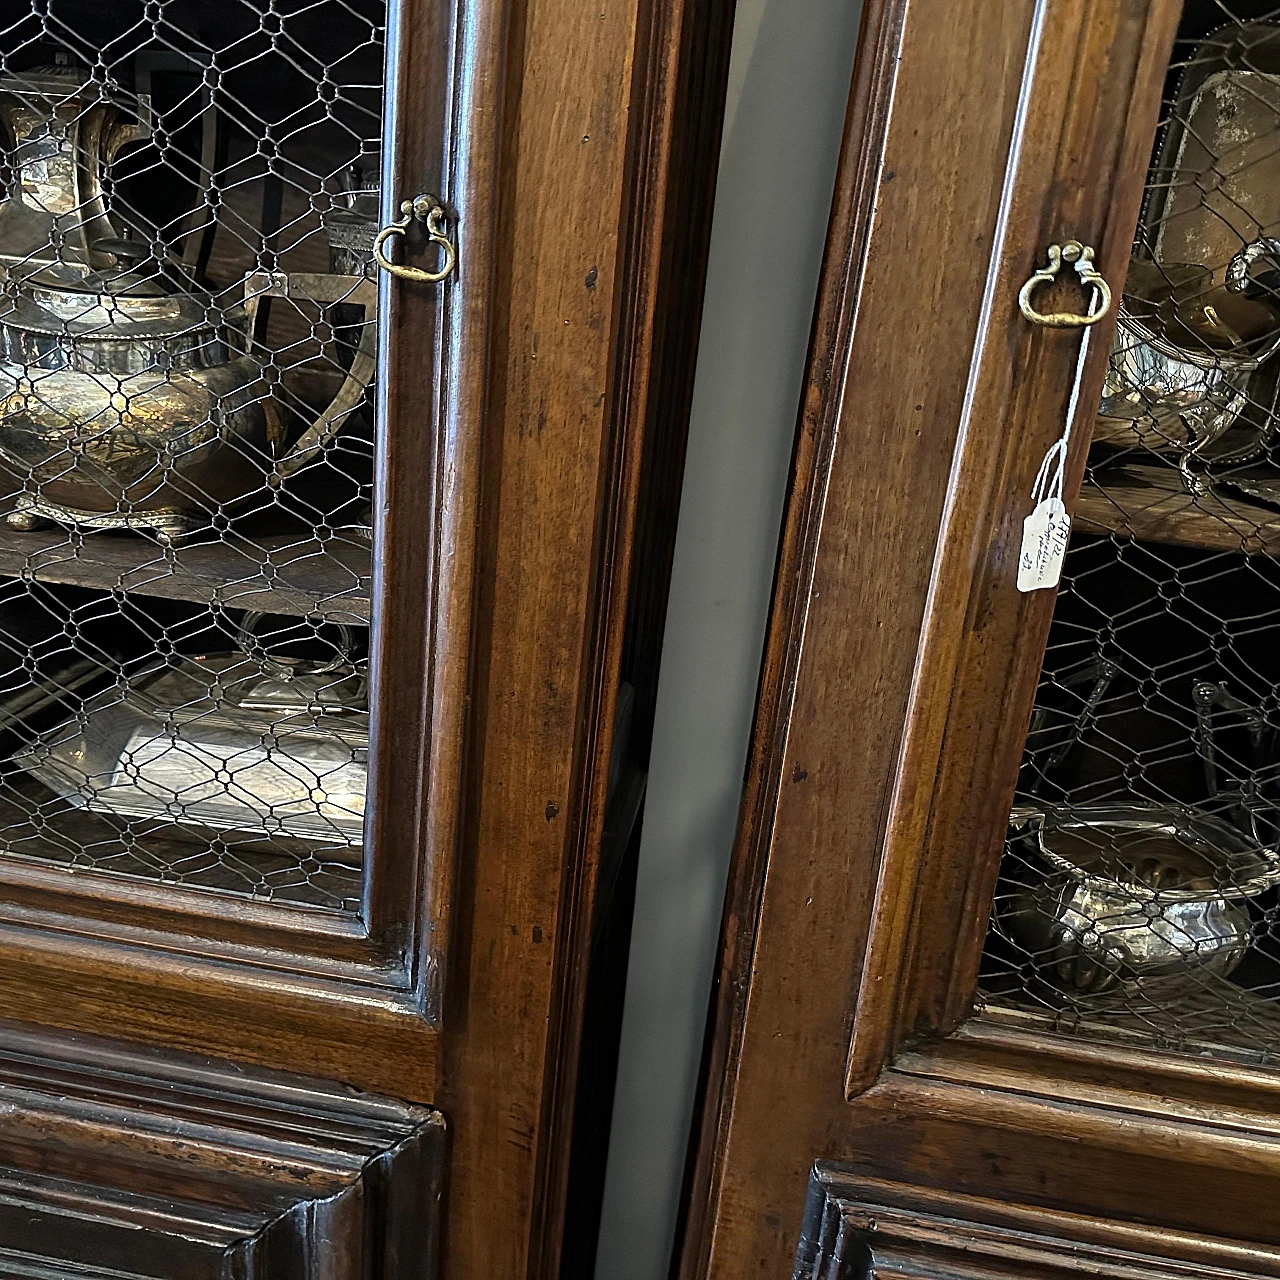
{"x":1045,"y":533}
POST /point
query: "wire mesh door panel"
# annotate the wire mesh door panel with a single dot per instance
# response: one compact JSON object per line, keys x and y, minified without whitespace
{"x":188,"y":325}
{"x":1139,"y":895}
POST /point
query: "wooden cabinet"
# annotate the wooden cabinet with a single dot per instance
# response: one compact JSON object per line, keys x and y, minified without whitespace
{"x":322,"y":660}
{"x":998,"y":975}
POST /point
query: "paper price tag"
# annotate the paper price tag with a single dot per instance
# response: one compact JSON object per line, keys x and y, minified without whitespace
{"x":1045,"y":533}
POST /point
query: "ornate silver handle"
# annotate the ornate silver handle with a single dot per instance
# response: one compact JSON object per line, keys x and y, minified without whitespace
{"x":252,"y":647}
{"x":1238,"y":267}
{"x":423,"y":208}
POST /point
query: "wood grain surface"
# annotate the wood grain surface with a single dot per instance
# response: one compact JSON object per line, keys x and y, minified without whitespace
{"x":605,"y":167}
{"x":929,"y":404}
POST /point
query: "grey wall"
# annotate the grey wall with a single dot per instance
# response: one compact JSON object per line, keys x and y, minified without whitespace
{"x":788,"y":88}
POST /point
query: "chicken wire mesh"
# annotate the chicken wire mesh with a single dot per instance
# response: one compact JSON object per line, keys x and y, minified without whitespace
{"x":1138,"y":897}
{"x":188,"y":200}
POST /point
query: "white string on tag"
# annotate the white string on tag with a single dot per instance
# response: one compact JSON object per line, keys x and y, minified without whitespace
{"x":1046,"y":531}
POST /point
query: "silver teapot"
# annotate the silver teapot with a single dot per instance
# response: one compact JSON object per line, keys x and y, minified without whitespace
{"x":129,"y":396}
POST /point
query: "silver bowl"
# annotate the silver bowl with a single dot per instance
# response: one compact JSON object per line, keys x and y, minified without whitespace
{"x":1118,"y":893}
{"x":1184,"y":353}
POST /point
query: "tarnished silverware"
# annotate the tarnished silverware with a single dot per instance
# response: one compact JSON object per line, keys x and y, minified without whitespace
{"x":244,"y":741}
{"x":130,"y":397}
{"x":1185,"y":351}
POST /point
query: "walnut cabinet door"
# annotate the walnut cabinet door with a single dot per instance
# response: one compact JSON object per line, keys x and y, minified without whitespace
{"x":999,"y":971}
{"x":344,"y":351}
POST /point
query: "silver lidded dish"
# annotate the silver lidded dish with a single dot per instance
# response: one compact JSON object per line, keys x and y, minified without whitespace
{"x":1123,"y":893}
{"x":251,"y":744}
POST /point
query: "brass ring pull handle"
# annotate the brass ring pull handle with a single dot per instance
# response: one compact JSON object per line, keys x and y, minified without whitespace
{"x":1082,"y":257}
{"x":424,"y":208}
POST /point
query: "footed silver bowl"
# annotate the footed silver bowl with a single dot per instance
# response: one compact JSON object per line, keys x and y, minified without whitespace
{"x":1121,"y":893}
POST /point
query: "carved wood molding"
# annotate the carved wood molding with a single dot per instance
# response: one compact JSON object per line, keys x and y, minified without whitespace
{"x":1169,"y":1088}
{"x":858,"y":1227}
{"x":1061,"y":1129}
{"x":126,"y":1162}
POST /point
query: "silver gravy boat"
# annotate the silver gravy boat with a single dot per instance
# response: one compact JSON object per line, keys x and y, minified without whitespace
{"x":1185,"y":351}
{"x":129,"y":396}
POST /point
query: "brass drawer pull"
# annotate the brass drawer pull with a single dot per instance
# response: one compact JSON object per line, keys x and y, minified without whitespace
{"x":1082,"y":256}
{"x":424,"y":208}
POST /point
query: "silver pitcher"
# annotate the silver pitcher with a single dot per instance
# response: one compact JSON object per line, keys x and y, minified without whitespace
{"x":129,"y":396}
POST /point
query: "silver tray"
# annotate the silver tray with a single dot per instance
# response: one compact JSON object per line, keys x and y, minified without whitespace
{"x":219,"y":742}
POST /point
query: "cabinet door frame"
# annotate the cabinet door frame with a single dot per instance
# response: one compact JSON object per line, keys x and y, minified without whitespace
{"x":282,"y":984}
{"x":856,"y":1226}
{"x":901,"y":667}
{"x":575,"y":148}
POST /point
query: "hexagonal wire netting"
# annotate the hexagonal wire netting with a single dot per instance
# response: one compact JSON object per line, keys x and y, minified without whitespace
{"x":187,"y":337}
{"x":1139,"y":896}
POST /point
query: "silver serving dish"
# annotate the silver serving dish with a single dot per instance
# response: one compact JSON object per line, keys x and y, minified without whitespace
{"x":353,"y":223}
{"x":1138,"y":892}
{"x":226,"y":741}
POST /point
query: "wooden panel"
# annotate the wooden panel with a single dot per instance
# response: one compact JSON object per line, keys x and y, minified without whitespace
{"x":1024,"y":1120}
{"x":679,"y":79}
{"x":607,"y":160}
{"x":1091,"y":118}
{"x":914,"y":448}
{"x":153,"y":1164}
{"x":544,"y":681}
{"x":856,"y":1228}
{"x":417,"y":556}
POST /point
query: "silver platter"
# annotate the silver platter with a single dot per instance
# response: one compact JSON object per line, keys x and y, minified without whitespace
{"x":215,"y":742}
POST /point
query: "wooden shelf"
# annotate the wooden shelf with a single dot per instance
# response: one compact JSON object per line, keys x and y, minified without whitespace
{"x":1153,"y":505}
{"x":278,"y":569}
{"x":1203,"y":1014}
